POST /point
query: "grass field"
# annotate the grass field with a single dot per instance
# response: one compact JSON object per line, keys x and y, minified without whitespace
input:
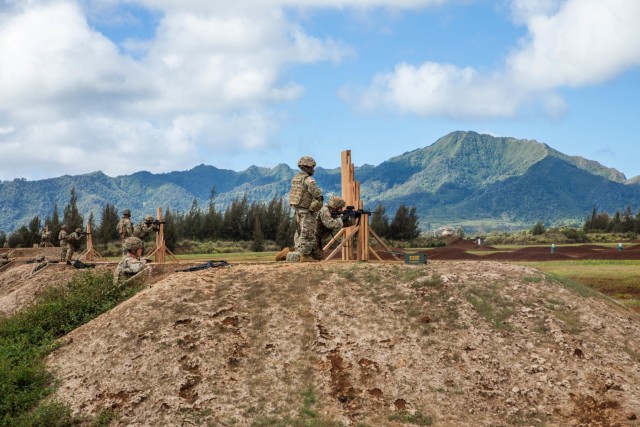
{"x":617,"y":279}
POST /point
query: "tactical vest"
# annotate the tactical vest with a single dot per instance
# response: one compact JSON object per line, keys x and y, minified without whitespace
{"x":300,"y":196}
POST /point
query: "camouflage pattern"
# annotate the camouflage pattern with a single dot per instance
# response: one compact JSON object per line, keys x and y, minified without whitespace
{"x":73,"y":245}
{"x":144,"y":228}
{"x":125,"y":228}
{"x":336,"y":202}
{"x":307,"y":161}
{"x":305,"y":235}
{"x":63,"y":237}
{"x":42,"y":262}
{"x":45,"y":239}
{"x":304,"y":190}
{"x":325,"y":225}
{"x":4,"y":260}
{"x":129,"y":266}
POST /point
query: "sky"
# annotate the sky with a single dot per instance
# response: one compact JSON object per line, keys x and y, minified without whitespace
{"x":122,"y":86}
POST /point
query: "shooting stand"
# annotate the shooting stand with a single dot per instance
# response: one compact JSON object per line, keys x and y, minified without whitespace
{"x":161,"y":248}
{"x":90,"y":253}
{"x":356,"y":233}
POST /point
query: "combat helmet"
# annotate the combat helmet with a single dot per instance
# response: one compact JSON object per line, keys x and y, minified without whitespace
{"x":65,"y":227}
{"x":78,"y":230}
{"x":126,"y":212}
{"x":148,"y":218}
{"x":307,"y":161}
{"x":40,"y":258}
{"x":4,"y":256}
{"x":132,"y":244}
{"x":336,"y":202}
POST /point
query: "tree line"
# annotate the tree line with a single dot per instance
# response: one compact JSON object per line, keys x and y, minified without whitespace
{"x":619,"y":222}
{"x":241,"y":220}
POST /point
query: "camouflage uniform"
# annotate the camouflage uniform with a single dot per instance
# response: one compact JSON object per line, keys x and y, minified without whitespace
{"x":42,"y":262}
{"x":45,"y":239}
{"x":125,"y":226}
{"x":73,"y":243}
{"x":326,"y":224}
{"x":130,"y":264}
{"x":63,"y":237}
{"x":306,"y":199}
{"x":4,"y":260}
{"x":142,"y":230}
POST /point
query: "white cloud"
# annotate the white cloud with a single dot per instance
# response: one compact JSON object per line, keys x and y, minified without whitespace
{"x":204,"y":82}
{"x":569,"y":43}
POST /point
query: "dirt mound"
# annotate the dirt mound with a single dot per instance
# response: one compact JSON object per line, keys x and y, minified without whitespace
{"x":19,"y":286}
{"x":50,"y":252}
{"x":466,"y":343}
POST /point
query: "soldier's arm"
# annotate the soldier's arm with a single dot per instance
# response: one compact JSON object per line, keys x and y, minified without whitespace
{"x":313,"y":188}
{"x":330,"y":222}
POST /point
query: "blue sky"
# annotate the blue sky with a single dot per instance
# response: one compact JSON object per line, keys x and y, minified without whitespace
{"x":160,"y":85}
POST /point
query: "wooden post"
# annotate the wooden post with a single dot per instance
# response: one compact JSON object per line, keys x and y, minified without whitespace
{"x":348,"y":195}
{"x":161,"y":248}
{"x":90,"y":253}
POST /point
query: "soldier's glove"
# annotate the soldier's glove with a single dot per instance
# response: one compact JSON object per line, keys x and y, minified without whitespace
{"x":346,"y":219}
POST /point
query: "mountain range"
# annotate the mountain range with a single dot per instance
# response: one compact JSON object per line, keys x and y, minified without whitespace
{"x":476,"y":181}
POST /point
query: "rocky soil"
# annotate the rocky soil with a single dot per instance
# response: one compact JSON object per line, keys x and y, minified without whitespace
{"x":452,"y":343}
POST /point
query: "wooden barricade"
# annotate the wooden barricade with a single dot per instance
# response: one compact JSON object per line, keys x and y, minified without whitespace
{"x":356,"y":237}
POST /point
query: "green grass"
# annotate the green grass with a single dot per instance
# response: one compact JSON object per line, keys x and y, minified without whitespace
{"x":618,"y":279}
{"x":31,"y":334}
{"x":307,"y":416}
{"x":418,"y":419}
{"x":489,"y":304}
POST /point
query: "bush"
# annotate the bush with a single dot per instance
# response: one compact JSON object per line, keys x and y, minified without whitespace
{"x":28,"y":336}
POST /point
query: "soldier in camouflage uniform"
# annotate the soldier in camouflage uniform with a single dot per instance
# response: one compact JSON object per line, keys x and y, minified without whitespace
{"x":45,"y":239}
{"x":125,"y":226}
{"x":63,"y":237}
{"x":306,"y":199}
{"x":145,"y":227}
{"x":4,"y":260}
{"x":41,"y":261}
{"x":131,"y":263}
{"x":326,"y":223}
{"x":73,"y":244}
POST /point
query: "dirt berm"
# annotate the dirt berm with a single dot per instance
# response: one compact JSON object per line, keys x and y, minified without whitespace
{"x":454,"y":343}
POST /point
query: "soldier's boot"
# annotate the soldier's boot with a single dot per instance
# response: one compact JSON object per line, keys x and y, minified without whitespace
{"x":293,"y":256}
{"x":307,"y":258}
{"x":282,"y":255}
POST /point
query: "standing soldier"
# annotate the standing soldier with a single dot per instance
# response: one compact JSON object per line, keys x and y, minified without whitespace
{"x":329,"y":218}
{"x":306,"y":198}
{"x":125,"y":227}
{"x":131,"y":263}
{"x":145,"y":227}
{"x":63,"y":237}
{"x":45,"y":239}
{"x":74,"y":243}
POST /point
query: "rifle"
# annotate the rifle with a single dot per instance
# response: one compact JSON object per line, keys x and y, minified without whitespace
{"x":351,"y":212}
{"x":206,"y":265}
{"x":155,"y":222}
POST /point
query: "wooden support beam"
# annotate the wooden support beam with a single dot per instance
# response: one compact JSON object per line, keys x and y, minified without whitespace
{"x":161,"y":248}
{"x":90,"y":253}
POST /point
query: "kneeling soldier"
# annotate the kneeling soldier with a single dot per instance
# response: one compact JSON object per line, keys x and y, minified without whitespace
{"x":131,"y":263}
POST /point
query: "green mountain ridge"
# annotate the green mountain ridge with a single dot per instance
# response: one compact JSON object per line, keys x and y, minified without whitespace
{"x":463,"y":178}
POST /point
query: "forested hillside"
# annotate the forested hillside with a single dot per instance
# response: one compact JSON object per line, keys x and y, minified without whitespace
{"x":464,"y":178}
